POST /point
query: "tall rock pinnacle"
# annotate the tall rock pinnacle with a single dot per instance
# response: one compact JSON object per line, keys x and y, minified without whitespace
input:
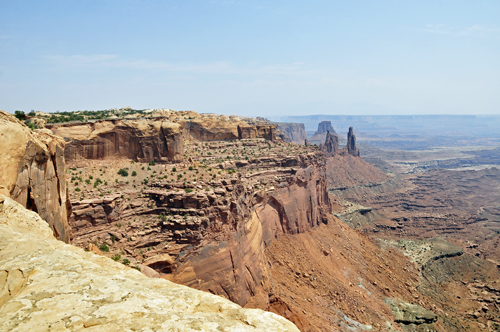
{"x":351,"y":143}
{"x":331,"y":145}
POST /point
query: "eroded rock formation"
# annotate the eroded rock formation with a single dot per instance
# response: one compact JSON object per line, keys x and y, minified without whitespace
{"x":32,"y":172}
{"x":141,"y":139}
{"x":351,"y":143}
{"x":48,"y":285}
{"x":213,"y":239}
{"x":159,"y":138}
{"x":295,"y":131}
{"x":331,"y":145}
{"x":325,"y":127}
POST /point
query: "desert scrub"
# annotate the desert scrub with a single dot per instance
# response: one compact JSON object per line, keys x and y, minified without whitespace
{"x":104,"y":247}
{"x":123,"y":172}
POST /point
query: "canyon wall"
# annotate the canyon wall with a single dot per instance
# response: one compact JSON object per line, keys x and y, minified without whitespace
{"x":213,"y":239}
{"x":155,"y":138}
{"x":139,"y":139}
{"x":295,"y":131}
{"x":46,"y":284}
{"x":32,"y":172}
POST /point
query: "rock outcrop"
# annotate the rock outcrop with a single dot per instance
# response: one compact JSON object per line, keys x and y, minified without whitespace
{"x":160,"y":138}
{"x":141,"y":139}
{"x":320,"y":135}
{"x":296,"y":132}
{"x":32,"y":172}
{"x":325,"y":127}
{"x":351,"y":143}
{"x":46,"y":284}
{"x":406,"y":313}
{"x":331,"y":146}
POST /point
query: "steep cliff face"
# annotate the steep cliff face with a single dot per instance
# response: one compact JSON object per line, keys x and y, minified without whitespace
{"x":157,"y":139}
{"x":46,"y":285}
{"x":214,"y":239}
{"x":32,"y":172}
{"x":295,"y":131}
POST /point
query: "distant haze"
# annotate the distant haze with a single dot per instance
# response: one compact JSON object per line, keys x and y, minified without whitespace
{"x":255,"y":58}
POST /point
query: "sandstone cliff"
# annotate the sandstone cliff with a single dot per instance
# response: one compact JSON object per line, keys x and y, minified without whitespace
{"x":32,"y":172}
{"x":46,"y":285}
{"x":160,"y":138}
{"x":140,"y":139}
{"x":213,"y":239}
{"x":295,"y":131}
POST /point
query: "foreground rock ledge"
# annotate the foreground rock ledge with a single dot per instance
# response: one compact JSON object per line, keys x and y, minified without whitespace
{"x":47,"y":285}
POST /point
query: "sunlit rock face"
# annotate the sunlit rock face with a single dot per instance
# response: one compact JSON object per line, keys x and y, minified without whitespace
{"x":32,"y":172}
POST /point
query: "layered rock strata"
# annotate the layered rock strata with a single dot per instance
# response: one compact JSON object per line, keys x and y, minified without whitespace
{"x":139,"y":139}
{"x":159,"y":138}
{"x":46,"y":285}
{"x":32,"y":172}
{"x":214,"y":238}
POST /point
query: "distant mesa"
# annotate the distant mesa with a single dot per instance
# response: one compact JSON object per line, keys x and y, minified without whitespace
{"x":320,"y":135}
{"x":325,"y":127}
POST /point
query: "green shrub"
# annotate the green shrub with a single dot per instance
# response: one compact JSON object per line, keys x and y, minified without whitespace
{"x":123,"y":172}
{"x":104,"y":247}
{"x":77,"y":189}
{"x":134,"y":173}
{"x":152,"y":163}
{"x":188,"y":190}
{"x":116,"y":257}
{"x":126,"y":261}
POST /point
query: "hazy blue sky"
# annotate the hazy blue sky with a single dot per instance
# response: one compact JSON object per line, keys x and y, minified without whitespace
{"x":252,"y":57}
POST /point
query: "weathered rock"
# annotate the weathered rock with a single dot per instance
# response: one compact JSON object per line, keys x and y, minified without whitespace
{"x":32,"y":172}
{"x":48,"y":285}
{"x":216,"y":238}
{"x":325,"y":127}
{"x":351,"y":143}
{"x":331,"y":145}
{"x":296,"y":132}
{"x":406,"y":313}
{"x":144,"y":140}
